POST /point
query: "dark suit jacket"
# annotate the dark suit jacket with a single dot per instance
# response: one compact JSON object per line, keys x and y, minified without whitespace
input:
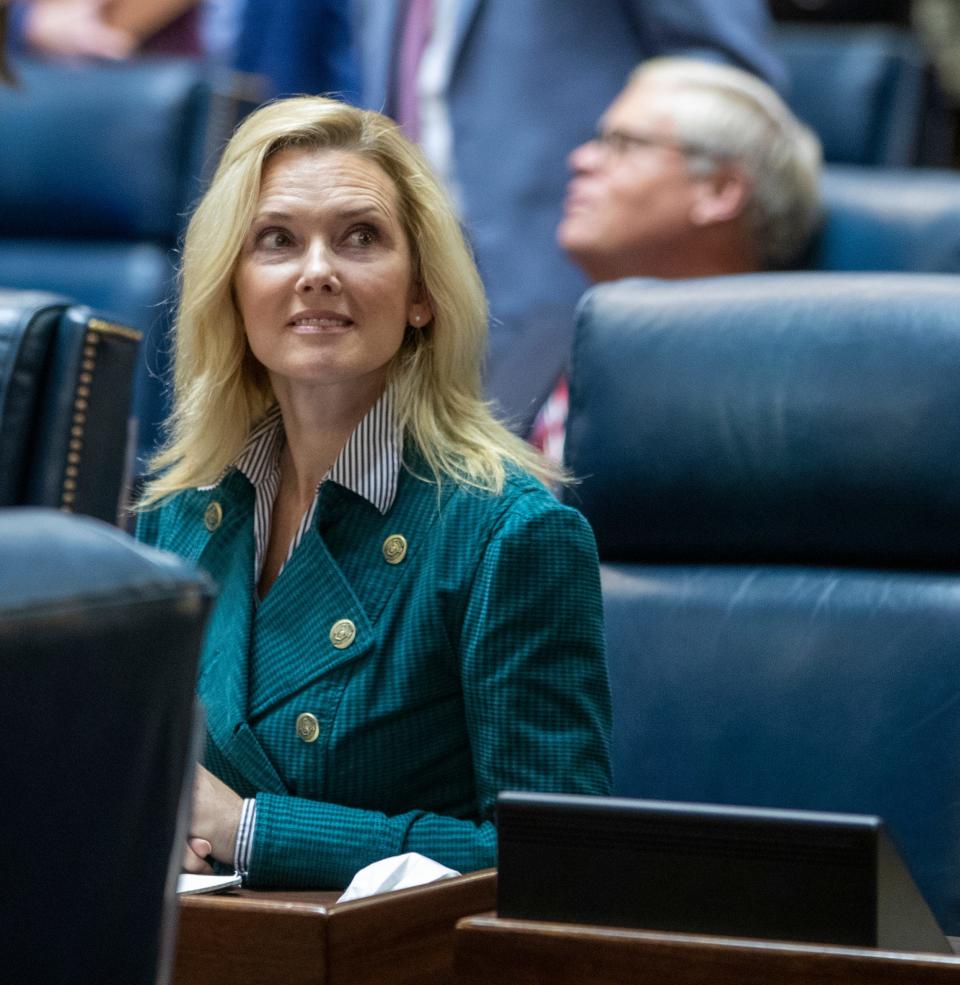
{"x":299,"y":46}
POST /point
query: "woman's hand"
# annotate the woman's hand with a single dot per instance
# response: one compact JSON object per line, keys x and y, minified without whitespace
{"x":195,"y":857}
{"x":214,"y":824}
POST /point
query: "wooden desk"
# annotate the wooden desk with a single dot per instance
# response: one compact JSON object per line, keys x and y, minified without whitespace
{"x":246,"y":937}
{"x":525,"y":952}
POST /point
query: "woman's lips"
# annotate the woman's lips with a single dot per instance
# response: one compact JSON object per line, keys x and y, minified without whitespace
{"x":319,"y":322}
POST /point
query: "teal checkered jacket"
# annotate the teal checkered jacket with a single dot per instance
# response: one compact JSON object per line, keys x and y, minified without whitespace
{"x":477,"y":666}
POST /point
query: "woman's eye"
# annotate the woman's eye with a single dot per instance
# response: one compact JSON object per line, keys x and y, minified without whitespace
{"x":273,"y":239}
{"x":363,"y":236}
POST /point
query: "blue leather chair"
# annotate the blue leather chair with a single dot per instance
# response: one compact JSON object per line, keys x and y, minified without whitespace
{"x":99,"y":166}
{"x":99,"y":639}
{"x":866,"y":89}
{"x":771,"y":464}
{"x":66,"y":376}
{"x":889,"y":219}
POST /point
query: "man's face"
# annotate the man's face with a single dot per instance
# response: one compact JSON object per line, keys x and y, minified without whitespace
{"x":628,"y":206}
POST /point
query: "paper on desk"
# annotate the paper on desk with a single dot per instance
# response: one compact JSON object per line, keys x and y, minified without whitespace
{"x":396,"y":872}
{"x":187,"y":883}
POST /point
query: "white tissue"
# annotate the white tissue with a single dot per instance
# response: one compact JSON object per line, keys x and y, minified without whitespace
{"x":396,"y":872}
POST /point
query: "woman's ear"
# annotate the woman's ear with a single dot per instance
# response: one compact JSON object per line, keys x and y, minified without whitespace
{"x":420,"y":313}
{"x":721,"y":196}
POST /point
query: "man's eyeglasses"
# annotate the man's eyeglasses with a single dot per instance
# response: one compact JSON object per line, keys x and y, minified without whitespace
{"x":620,"y":141}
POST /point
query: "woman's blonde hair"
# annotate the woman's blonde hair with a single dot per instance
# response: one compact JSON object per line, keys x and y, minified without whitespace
{"x":220,"y":391}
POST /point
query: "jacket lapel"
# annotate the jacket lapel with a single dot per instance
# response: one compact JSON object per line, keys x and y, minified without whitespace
{"x":225,"y":550}
{"x":339,"y":572}
{"x":294,"y":634}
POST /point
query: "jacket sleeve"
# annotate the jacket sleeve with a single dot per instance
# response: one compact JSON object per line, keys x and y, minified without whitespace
{"x":536,"y":700}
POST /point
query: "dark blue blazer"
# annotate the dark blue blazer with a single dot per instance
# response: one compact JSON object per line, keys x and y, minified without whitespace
{"x":300,"y":46}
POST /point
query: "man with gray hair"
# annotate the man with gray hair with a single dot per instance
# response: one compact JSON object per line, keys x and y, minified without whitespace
{"x":697,"y":169}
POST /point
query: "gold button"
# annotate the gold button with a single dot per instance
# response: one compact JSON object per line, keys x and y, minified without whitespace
{"x":343,"y":633}
{"x":395,"y":548}
{"x":212,"y":516}
{"x":308,"y":728}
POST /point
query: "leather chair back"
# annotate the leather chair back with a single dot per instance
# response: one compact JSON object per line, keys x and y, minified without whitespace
{"x":864,"y":89}
{"x":66,"y":374}
{"x":889,"y":219}
{"x":771,"y":464}
{"x":101,"y":169}
{"x":99,"y":640}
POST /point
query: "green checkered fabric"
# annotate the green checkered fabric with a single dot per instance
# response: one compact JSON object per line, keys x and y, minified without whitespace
{"x":478,"y":666}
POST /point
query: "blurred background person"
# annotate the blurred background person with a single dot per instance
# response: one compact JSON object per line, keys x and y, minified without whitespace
{"x":499,"y":92}
{"x":697,"y":169}
{"x":938,"y":24}
{"x":297,"y":47}
{"x":108,"y":29}
{"x":283,"y":48}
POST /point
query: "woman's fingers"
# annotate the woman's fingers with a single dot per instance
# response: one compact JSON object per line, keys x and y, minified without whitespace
{"x":195,"y":857}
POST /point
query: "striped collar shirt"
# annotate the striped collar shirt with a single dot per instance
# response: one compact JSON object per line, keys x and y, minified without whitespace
{"x":368,"y":464}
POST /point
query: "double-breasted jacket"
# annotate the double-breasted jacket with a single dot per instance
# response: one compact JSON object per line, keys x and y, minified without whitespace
{"x":402,"y":670}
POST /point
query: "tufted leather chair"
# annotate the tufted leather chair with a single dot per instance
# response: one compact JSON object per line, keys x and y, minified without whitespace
{"x":65,"y":383}
{"x":99,"y":166}
{"x":99,"y":639}
{"x":771,"y":464}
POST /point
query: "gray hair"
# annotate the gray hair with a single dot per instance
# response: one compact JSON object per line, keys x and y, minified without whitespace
{"x":734,"y":116}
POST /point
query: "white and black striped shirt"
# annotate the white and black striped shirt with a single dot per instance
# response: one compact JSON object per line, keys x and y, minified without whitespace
{"x":368,"y":465}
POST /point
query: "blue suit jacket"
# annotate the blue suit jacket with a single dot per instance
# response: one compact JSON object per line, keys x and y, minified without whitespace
{"x":529,"y":82}
{"x":298,"y":46}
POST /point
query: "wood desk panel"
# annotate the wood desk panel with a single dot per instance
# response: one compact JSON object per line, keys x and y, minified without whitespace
{"x":404,"y":938}
{"x":246,"y":937}
{"x":523,"y":952}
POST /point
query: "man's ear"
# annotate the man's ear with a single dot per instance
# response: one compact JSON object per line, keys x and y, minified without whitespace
{"x":721,"y":196}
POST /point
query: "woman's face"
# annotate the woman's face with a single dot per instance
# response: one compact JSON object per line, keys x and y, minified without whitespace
{"x":324,"y":281}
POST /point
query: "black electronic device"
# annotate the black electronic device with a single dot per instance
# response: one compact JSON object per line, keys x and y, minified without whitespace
{"x":702,"y":868}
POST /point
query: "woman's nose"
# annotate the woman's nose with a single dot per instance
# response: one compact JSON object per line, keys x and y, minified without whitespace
{"x":318,"y":272}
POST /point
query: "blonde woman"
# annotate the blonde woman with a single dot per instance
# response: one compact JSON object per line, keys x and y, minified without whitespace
{"x":408,"y":622}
